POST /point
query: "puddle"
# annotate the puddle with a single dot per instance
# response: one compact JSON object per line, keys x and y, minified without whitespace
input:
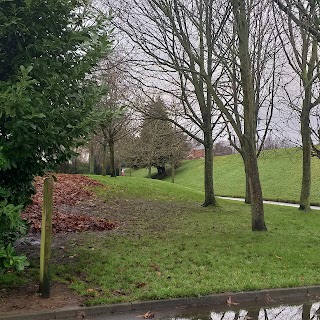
{"x":306,"y":311}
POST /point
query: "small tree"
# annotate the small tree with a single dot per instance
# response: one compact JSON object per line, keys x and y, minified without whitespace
{"x":48,"y":50}
{"x":128,"y":149}
{"x":159,"y":141}
{"x":113,"y":115}
{"x":154,"y":138}
{"x":179,"y":150}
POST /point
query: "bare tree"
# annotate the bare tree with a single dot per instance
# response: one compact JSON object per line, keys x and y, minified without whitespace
{"x":127,"y":149}
{"x":179,"y":38}
{"x":315,"y":152}
{"x":297,"y":13}
{"x":175,"y":49}
{"x":301,"y":49}
{"x":263,"y":45}
{"x":113,"y":116}
{"x":248,"y":137}
{"x":154,"y":144}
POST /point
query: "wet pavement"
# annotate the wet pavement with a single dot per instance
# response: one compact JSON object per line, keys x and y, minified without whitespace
{"x":283,"y":312}
{"x":296,"y":311}
{"x":279,"y":304}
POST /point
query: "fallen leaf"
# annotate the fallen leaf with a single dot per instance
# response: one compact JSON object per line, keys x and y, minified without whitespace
{"x":119,"y":292}
{"x":269,"y":298}
{"x":140,"y":284}
{"x":69,"y":190}
{"x":231,"y":303}
{"x":147,"y":315}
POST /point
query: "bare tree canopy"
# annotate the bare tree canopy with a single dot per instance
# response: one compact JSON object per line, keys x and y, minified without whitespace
{"x":297,"y":12}
{"x":301,"y":46}
{"x":184,"y":44}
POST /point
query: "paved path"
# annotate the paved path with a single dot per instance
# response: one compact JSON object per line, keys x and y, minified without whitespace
{"x":272,"y":202}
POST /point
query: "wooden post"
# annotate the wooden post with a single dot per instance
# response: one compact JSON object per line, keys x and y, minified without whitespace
{"x":46,"y":231}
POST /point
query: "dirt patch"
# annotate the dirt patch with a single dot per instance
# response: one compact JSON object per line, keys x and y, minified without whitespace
{"x":27,"y":299}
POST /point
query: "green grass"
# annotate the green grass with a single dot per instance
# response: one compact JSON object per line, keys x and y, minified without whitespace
{"x":140,"y":173}
{"x":196,"y":251}
{"x":167,"y":245}
{"x":146,"y":188}
{"x":280,"y":173}
{"x":10,"y":279}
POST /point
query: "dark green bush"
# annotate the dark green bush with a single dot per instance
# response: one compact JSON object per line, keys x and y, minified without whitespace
{"x":12,"y":227}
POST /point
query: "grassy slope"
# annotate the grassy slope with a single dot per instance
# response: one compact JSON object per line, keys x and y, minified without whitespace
{"x":147,"y":188}
{"x":196,"y":251}
{"x":280,"y":172}
{"x":140,"y":173}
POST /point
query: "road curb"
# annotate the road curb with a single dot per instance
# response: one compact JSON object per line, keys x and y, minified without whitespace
{"x":217,"y":301}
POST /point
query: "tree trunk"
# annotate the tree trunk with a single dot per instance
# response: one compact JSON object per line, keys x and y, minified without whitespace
{"x":247,"y":198}
{"x":306,"y":154}
{"x":248,"y":140}
{"x":112,"y":162}
{"x":91,"y":157}
{"x":208,"y":169}
{"x":104,"y":161}
{"x":257,"y":210}
{"x":173,"y":170}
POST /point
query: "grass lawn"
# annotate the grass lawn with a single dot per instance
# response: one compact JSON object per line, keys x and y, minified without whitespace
{"x":280,"y":173}
{"x":168,"y":246}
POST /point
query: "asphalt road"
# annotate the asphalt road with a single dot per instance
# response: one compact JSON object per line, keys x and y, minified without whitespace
{"x":272,"y":202}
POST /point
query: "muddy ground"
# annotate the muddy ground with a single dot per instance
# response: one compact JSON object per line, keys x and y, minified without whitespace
{"x":130,"y":216}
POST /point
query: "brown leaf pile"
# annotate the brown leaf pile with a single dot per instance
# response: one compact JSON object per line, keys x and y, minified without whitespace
{"x":69,"y":190}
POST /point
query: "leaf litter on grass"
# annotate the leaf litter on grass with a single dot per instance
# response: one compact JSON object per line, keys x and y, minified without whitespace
{"x":75,"y":209}
{"x":69,"y":191}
